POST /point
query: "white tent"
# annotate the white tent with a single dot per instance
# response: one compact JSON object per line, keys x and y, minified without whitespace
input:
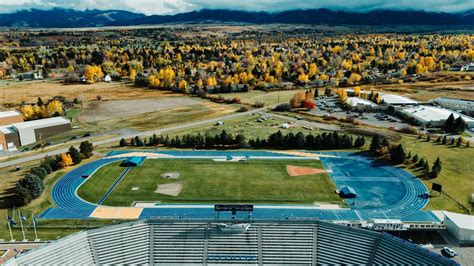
{"x":461,"y":226}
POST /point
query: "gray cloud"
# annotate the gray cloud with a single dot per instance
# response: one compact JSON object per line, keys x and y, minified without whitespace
{"x":177,"y":6}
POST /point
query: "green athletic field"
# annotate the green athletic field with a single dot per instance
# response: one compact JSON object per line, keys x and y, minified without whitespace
{"x":253,"y":181}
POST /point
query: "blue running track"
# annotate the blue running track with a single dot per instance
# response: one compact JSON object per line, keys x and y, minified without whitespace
{"x":383,"y":191}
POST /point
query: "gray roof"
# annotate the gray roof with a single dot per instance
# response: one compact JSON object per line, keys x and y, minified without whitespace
{"x":197,"y":242}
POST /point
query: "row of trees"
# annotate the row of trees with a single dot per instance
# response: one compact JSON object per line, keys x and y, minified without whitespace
{"x":380,"y":146}
{"x":453,"y":125}
{"x":31,"y":186}
{"x":277,"y":140}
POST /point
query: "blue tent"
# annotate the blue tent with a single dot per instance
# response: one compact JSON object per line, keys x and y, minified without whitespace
{"x":133,"y":161}
{"x":347,"y":192}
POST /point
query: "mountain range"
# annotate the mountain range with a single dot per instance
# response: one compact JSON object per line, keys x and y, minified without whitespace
{"x":69,"y":18}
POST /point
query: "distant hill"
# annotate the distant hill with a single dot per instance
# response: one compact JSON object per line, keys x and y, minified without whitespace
{"x":92,"y":18}
{"x":65,"y":18}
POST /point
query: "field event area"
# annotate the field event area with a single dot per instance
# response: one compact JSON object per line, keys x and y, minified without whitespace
{"x":205,"y":180}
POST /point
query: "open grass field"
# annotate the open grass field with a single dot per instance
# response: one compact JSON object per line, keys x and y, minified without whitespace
{"x":256,"y":181}
{"x":269,"y":98}
{"x":457,"y":174}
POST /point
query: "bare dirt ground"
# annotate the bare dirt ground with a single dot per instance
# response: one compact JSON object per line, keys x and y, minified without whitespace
{"x":103,"y":110}
{"x":17,"y":92}
{"x":171,"y":189}
{"x":300,"y":171}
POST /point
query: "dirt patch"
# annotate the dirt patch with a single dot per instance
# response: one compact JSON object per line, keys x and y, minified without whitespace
{"x":171,"y":189}
{"x":105,"y":110}
{"x":299,"y":171}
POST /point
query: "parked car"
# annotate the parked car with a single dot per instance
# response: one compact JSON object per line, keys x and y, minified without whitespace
{"x":448,"y":252}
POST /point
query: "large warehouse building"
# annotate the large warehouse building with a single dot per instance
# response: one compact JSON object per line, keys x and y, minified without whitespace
{"x":432,"y":116}
{"x":212,"y":242}
{"x":14,"y":132}
{"x":461,"y":105}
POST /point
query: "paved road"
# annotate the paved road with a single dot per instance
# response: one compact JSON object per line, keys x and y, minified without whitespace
{"x":127,"y":136}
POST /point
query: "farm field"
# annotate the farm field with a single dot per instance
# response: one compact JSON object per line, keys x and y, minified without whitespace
{"x":256,"y":181}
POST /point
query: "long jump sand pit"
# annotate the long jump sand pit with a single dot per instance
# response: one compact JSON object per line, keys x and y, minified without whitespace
{"x":300,"y":171}
{"x":126,"y":213}
{"x":170,"y":189}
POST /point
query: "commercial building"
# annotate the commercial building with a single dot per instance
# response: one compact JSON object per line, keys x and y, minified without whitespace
{"x":393,"y":99}
{"x":359,"y":104}
{"x":24,"y":133}
{"x":432,"y":116}
{"x":460,"y":105}
{"x":10,"y":117}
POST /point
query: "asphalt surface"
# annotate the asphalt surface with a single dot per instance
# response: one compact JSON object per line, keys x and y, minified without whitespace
{"x":131,"y":135}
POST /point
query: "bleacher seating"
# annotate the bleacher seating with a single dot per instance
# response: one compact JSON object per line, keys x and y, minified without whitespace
{"x":168,"y":242}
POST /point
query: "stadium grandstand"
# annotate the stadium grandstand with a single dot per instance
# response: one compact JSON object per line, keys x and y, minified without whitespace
{"x":216,"y":242}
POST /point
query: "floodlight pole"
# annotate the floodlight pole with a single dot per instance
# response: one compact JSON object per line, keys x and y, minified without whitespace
{"x":21,"y":223}
{"x":34,"y":226}
{"x":10,"y":229}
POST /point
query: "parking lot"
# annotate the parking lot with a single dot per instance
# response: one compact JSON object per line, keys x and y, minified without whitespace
{"x":330,"y":106}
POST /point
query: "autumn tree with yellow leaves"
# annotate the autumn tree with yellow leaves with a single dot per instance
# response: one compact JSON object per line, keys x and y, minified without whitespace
{"x":93,"y":74}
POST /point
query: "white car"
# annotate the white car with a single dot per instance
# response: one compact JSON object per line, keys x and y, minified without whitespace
{"x":448,"y":252}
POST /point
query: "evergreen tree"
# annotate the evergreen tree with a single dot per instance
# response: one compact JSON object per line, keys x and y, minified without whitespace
{"x":452,"y":141}
{"x":449,"y":125}
{"x":415,"y":159}
{"x":467,"y":144}
{"x":459,"y":142}
{"x":86,"y":148}
{"x":40,"y":172}
{"x":398,"y":155}
{"x":438,"y":139}
{"x":459,"y":125}
{"x":445,"y":140}
{"x":75,"y":155}
{"x":376,"y":144}
{"x":428,"y":138}
{"x":123,"y":142}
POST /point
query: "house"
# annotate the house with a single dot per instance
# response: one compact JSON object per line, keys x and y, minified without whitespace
{"x":468,"y":67}
{"x":32,"y":75}
{"x":107,"y":78}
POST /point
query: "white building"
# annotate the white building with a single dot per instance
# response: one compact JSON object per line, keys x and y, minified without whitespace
{"x":462,"y":105}
{"x":460,"y":226}
{"x":394,"y":99}
{"x":32,"y":131}
{"x":359,"y":104}
{"x":432,"y":116}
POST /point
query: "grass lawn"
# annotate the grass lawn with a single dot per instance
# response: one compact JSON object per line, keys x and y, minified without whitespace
{"x":457,"y":174}
{"x":269,"y":98}
{"x":255,"y":181}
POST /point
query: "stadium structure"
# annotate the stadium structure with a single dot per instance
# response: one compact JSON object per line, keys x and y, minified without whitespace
{"x":211,"y":242}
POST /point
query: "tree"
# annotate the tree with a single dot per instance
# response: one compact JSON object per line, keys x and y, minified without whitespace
{"x":309,"y":104}
{"x":459,"y":125}
{"x":75,"y":155}
{"x":445,"y":140}
{"x":297,"y":99}
{"x":123,"y":142}
{"x":86,"y":148}
{"x":93,"y":74}
{"x":65,"y":160}
{"x":449,"y":125}
{"x":415,"y":159}
{"x":398,"y":155}
{"x":459,"y":142}
{"x":40,"y":172}
{"x":467,"y":144}
{"x":376,"y":144}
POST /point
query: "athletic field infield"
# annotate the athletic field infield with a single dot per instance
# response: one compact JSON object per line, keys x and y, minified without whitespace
{"x":208,"y":181}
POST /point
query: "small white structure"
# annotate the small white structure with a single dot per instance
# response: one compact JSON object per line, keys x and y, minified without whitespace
{"x":359,"y":104}
{"x":460,"y":226}
{"x":107,"y":78}
{"x":393,"y":99}
{"x":433,"y":116}
{"x":285,"y":126}
{"x":463,"y":105}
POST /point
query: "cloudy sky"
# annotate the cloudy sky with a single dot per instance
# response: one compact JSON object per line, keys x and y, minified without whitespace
{"x":177,"y":6}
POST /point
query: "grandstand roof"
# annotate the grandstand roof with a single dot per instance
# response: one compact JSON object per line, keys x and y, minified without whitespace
{"x":197,"y":242}
{"x":431,"y":113}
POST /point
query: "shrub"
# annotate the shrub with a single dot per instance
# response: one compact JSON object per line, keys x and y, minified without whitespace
{"x":284,"y":107}
{"x":244,"y":108}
